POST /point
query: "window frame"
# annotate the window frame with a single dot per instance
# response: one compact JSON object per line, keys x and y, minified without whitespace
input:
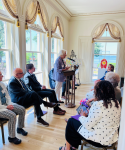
{"x":9,"y":43}
{"x":103,"y":41}
{"x":41,"y":51}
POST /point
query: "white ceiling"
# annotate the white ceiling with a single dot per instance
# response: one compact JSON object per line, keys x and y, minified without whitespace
{"x":94,"y":6}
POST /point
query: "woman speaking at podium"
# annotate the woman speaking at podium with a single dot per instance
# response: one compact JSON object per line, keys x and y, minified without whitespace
{"x":58,"y":75}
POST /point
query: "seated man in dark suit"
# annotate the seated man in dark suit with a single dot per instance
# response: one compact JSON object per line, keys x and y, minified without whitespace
{"x":32,"y":83}
{"x":21,"y":95}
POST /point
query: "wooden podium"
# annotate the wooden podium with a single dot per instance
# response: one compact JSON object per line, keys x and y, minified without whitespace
{"x":70,"y":99}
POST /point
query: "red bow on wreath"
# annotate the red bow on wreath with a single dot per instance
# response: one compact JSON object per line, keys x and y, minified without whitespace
{"x":103,"y":63}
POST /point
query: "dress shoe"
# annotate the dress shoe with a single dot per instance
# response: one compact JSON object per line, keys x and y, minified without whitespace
{"x":58,"y":104}
{"x":58,"y":112}
{"x":14,"y":140}
{"x":60,"y":101}
{"x":42,"y":122}
{"x":61,"y":110}
{"x":21,"y":131}
{"x":51,"y":105}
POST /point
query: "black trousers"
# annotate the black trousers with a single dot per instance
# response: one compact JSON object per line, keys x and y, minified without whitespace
{"x":50,"y":94}
{"x":32,"y":98}
{"x":73,"y":137}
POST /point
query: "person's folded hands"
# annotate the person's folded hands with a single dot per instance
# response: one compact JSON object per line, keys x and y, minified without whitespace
{"x":10,"y":107}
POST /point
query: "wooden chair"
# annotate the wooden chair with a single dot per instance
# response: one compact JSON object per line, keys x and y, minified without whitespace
{"x":104,"y":148}
{"x":2,"y":122}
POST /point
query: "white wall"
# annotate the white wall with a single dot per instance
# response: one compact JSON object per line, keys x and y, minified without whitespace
{"x":81,"y":28}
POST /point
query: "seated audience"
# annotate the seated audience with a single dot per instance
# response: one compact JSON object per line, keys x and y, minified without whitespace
{"x":110,"y":68}
{"x":58,"y":76}
{"x":33,"y":84}
{"x":9,"y":110}
{"x":100,"y":126}
{"x":114,"y":79}
{"x":21,"y":95}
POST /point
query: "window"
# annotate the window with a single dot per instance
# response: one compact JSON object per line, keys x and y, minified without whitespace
{"x":34,"y":50}
{"x":56,"y":47}
{"x":5,"y":49}
{"x":107,"y":50}
{"x":1,"y":5}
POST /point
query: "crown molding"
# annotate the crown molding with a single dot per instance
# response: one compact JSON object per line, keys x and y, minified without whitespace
{"x":88,"y":14}
{"x":99,"y":16}
{"x":64,"y":7}
{"x":58,"y":8}
{"x":99,"y":13}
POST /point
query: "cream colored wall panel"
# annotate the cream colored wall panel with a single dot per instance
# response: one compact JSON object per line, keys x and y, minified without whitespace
{"x":85,"y":55}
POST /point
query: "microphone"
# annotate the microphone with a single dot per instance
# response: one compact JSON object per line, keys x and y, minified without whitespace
{"x":71,"y":59}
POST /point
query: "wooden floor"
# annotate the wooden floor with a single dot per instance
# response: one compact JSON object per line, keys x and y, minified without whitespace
{"x":44,"y":138}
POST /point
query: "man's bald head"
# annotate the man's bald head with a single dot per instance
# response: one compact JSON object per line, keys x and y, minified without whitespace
{"x":18,"y":73}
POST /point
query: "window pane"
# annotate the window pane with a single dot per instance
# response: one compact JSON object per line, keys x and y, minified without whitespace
{"x":111,"y":59}
{"x":106,"y":34}
{"x":1,"y":5}
{"x":54,"y":45}
{"x":53,"y":59}
{"x":37,"y":61}
{"x":111,"y":48}
{"x":35,"y":40}
{"x":52,"y":48}
{"x":28,"y":48}
{"x":2,"y":34}
{"x":5,"y":64}
{"x":34,"y":58}
{"x":99,"y":48}
{"x":29,"y":58}
{"x":59,"y":45}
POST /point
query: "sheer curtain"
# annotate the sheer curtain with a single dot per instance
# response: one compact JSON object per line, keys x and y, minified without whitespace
{"x":11,"y":7}
{"x":56,"y":22}
{"x":31,"y":13}
{"x":42,"y":16}
{"x":113,"y":31}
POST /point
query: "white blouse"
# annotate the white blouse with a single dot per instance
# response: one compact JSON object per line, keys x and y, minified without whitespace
{"x":8,"y":100}
{"x":102,"y":123}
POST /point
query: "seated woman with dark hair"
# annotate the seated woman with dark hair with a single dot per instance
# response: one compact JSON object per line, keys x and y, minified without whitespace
{"x":100,"y":126}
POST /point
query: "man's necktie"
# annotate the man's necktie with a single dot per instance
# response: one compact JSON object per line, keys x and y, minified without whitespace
{"x":24,"y":86}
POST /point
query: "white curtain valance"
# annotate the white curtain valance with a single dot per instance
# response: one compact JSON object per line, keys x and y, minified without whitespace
{"x":113,"y":31}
